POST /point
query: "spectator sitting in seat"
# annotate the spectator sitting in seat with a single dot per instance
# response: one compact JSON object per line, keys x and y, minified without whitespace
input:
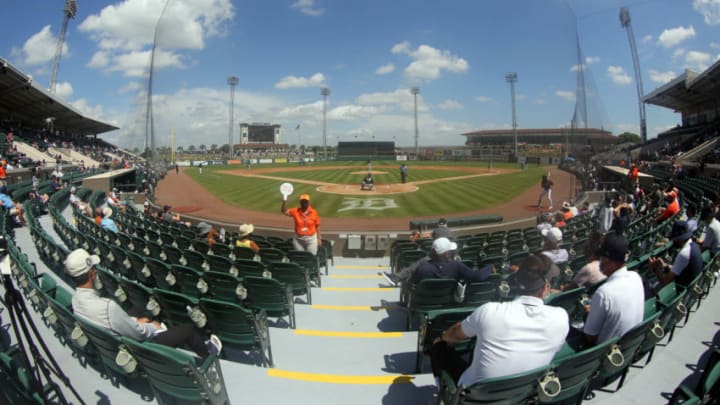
{"x":245,"y":230}
{"x":39,"y":201}
{"x":711,"y":240}
{"x":105,"y":221}
{"x":368,"y":183}
{"x":442,"y":264}
{"x":442,"y":230}
{"x":15,"y":209}
{"x":672,"y":208}
{"x":512,"y":337}
{"x":688,"y":260}
{"x":206,"y":231}
{"x":590,"y":274}
{"x":618,"y":304}
{"x":551,"y":246}
{"x":106,"y":313}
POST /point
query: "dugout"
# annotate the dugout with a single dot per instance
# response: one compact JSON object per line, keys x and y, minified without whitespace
{"x":124,"y":180}
{"x":366,"y":150}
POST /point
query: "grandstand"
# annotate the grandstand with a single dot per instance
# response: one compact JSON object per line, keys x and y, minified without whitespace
{"x":498,"y":144}
{"x":696,"y":96}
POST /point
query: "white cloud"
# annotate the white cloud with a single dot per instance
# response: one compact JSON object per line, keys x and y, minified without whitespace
{"x":127,"y":29}
{"x":618,"y":76}
{"x":39,"y":48}
{"x":92,"y":111}
{"x":566,"y":95}
{"x":521,"y":97}
{"x":484,"y":99}
{"x":450,"y":105}
{"x":137,"y":63}
{"x":64,"y":90}
{"x":130,"y":87}
{"x":385,"y":69}
{"x":661,"y":77}
{"x":429,"y":62}
{"x":400,"y":99}
{"x":353,"y":112}
{"x":287,"y":82}
{"x":698,"y":61}
{"x":647,"y":38}
{"x":678,"y":53}
{"x":302,"y":110}
{"x":308,"y":7}
{"x":540,"y":101}
{"x":674,"y":36}
{"x":710,"y":9}
{"x":588,"y":61}
{"x":715,"y":45}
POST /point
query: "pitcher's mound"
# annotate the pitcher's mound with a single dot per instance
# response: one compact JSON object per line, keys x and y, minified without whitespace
{"x":354,"y":189}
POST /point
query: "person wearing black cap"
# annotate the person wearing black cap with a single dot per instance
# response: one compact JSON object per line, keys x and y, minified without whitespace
{"x":442,"y":230}
{"x":688,"y":261}
{"x":512,"y":337}
{"x":618,"y":305}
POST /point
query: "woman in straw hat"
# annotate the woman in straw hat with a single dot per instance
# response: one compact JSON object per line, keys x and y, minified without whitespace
{"x":244,"y":237}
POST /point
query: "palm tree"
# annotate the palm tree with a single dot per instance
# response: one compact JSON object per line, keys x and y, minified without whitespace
{"x":213,"y":148}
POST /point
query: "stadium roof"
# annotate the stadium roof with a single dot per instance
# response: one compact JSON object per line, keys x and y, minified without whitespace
{"x":688,"y":90}
{"x":24,"y":100}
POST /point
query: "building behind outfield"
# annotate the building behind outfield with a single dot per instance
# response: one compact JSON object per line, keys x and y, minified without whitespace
{"x":538,"y":143}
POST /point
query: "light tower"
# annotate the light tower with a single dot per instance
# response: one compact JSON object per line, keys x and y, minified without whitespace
{"x":325,"y":92}
{"x":232,"y":81}
{"x":149,"y":118}
{"x":625,"y":22}
{"x":415,"y":91}
{"x":512,"y":78}
{"x":69,"y":12}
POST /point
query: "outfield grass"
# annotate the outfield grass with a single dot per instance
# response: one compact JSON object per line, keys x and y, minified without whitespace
{"x":439,"y":198}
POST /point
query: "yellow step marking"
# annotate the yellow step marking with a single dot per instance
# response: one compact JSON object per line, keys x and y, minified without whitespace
{"x":357,"y":289}
{"x":367,"y":335}
{"x":355,"y":277}
{"x":340,"y":379}
{"x":353,"y":307}
{"x":362,"y":267}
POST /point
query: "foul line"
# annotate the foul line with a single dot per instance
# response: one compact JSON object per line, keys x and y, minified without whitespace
{"x":341,"y":379}
{"x":365,"y":335}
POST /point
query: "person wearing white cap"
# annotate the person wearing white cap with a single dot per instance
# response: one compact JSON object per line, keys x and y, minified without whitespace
{"x":551,"y":248}
{"x":106,"y":313}
{"x":106,"y":222}
{"x":443,"y":265}
{"x":512,"y":337}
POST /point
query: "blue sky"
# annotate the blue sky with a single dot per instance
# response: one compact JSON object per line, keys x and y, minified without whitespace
{"x":369,"y":53}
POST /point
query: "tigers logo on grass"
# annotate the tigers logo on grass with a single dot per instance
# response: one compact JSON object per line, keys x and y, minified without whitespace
{"x":373,"y":204}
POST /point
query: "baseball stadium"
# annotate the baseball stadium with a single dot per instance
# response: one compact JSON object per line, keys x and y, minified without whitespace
{"x":363,"y":271}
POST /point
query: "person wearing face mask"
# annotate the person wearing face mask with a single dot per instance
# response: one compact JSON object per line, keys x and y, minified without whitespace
{"x":307,"y":225}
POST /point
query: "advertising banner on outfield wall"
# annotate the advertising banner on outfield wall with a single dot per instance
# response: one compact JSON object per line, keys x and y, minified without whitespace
{"x":281,"y":160}
{"x":234,"y":162}
{"x":184,"y":163}
{"x":401,"y":158}
{"x":261,"y":161}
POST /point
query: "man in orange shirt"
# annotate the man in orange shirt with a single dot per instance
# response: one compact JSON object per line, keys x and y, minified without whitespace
{"x":672,"y":208}
{"x":307,"y":225}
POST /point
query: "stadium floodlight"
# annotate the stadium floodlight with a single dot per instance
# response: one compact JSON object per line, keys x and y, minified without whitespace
{"x":69,"y":12}
{"x":325,"y":92}
{"x":625,"y":22}
{"x":512,"y":78}
{"x":232,"y":81}
{"x":415,"y":91}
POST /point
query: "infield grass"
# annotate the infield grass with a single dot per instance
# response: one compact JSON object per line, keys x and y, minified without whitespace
{"x":442,"y":197}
